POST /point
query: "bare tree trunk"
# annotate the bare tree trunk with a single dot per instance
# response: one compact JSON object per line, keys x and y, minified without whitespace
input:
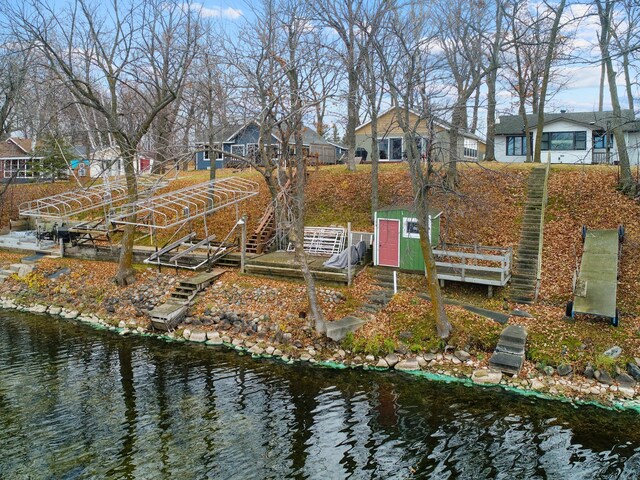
{"x":627,"y":80}
{"x":601,"y":88}
{"x":476,"y":106}
{"x":454,"y":150}
{"x":211,"y":141}
{"x":352,"y":118}
{"x":553,"y":34}
{"x":126,"y":273}
{"x":490,"y":152}
{"x":605,"y":13}
{"x":420,"y":181}
{"x":375,"y":159}
{"x":300,"y":178}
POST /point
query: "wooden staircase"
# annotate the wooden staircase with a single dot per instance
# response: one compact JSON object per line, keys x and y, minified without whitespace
{"x":524,"y":278}
{"x":266,"y":228}
{"x":168,"y":315}
{"x":256,"y":243}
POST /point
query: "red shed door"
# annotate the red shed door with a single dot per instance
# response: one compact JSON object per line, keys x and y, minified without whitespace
{"x":389,"y":242}
{"x":145,"y":164}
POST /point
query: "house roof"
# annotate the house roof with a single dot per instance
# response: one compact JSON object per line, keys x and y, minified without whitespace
{"x":311,"y":137}
{"x":79,"y":151}
{"x":228,"y":133}
{"x":514,"y":124}
{"x":338,"y":145}
{"x":438,"y":121}
{"x":16,"y":148}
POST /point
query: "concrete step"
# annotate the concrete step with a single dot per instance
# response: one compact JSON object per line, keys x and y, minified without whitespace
{"x":370,"y":308}
{"x":507,"y":362}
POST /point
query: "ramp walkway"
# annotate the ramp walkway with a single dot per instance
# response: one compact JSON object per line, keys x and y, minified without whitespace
{"x":596,"y":282}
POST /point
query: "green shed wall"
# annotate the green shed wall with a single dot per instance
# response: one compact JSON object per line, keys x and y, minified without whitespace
{"x":410,"y":252}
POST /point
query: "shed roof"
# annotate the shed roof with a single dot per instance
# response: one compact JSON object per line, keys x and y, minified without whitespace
{"x":434,"y":212}
{"x":514,"y":124}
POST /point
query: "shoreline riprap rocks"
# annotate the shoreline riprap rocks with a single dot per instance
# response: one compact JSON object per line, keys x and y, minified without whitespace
{"x":458,"y":366}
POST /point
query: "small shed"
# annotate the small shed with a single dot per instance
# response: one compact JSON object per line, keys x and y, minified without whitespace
{"x":397,"y":241}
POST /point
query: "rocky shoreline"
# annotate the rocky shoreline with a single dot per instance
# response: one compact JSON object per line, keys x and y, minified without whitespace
{"x":450,"y":366}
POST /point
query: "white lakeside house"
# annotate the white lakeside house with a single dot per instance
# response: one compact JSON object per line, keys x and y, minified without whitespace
{"x":570,"y":137}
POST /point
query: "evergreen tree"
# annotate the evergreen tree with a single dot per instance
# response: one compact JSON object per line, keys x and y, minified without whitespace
{"x":56,"y":155}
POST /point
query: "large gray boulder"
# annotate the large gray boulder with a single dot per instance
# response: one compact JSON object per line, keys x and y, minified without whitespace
{"x":408,"y":364}
{"x":485,"y":376}
{"x":392,"y":359}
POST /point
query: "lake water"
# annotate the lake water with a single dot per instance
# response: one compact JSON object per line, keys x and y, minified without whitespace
{"x":80,"y":403}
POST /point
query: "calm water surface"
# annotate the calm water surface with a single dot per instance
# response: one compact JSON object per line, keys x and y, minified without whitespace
{"x":79,"y":403}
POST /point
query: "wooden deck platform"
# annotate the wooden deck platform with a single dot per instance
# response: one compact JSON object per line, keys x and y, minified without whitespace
{"x":283,"y":265}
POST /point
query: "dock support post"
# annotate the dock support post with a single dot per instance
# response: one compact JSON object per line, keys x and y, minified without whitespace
{"x":490,"y":291}
{"x":349,"y":254}
{"x":243,"y":247}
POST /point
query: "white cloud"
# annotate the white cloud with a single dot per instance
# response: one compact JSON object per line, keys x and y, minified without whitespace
{"x":215,"y":11}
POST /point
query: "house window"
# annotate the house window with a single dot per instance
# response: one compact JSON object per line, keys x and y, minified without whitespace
{"x":600,"y":140}
{"x":383,"y":147}
{"x":396,"y":148}
{"x":564,"y":141}
{"x":470,"y":148}
{"x":17,"y":168}
{"x":237,"y":150}
{"x":206,"y":153}
{"x":516,"y":145}
{"x":252,"y":150}
{"x":390,"y":148}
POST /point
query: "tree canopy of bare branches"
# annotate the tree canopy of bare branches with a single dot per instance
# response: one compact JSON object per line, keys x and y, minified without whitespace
{"x":125,"y":61}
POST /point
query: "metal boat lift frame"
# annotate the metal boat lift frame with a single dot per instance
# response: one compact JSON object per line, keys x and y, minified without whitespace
{"x":174,"y":209}
{"x":181,"y":207}
{"x":63,"y":206}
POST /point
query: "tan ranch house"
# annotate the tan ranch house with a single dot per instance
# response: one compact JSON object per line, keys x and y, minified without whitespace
{"x":391,"y":141}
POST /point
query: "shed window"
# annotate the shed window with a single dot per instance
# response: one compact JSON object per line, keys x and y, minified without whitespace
{"x":18,"y":168}
{"x":410,"y":227}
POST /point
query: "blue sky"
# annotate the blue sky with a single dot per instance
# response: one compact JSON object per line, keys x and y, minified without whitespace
{"x":579,"y":94}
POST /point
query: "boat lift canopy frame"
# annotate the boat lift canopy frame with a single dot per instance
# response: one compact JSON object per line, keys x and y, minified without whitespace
{"x":63,"y":206}
{"x":176,"y":208}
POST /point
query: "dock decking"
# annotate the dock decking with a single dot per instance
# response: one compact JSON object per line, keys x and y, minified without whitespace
{"x":283,"y":265}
